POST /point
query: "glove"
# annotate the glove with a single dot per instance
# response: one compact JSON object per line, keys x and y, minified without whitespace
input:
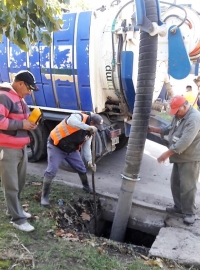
{"x":92,"y":129}
{"x":92,"y":166}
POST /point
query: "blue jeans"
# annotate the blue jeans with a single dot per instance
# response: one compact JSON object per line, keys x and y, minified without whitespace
{"x":55,"y":156}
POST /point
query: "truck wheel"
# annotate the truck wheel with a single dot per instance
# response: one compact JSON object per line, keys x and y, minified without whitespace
{"x":37,"y":149}
{"x":122,"y":142}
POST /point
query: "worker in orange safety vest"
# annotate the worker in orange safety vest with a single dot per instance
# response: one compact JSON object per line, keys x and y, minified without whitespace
{"x":64,"y":142}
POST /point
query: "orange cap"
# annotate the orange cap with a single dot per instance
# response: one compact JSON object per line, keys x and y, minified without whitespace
{"x":175,"y":103}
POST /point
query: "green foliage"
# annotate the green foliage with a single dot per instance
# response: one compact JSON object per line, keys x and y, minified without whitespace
{"x":5,"y":264}
{"x":166,"y":116}
{"x":79,"y":4}
{"x":25,"y":22}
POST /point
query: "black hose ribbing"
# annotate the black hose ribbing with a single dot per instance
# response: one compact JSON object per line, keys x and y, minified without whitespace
{"x":144,"y":95}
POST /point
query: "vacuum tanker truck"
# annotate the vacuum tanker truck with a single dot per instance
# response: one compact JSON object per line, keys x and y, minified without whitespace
{"x":92,"y":66}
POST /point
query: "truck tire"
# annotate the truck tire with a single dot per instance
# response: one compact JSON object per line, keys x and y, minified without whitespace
{"x":37,"y":149}
{"x":123,"y":140}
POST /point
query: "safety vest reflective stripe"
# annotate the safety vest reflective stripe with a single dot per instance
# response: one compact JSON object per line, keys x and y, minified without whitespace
{"x":63,"y":130}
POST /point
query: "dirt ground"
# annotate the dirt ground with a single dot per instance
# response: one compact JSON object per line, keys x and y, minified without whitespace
{"x":62,"y":240}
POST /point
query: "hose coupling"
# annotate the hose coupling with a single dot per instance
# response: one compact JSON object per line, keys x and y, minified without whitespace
{"x":135,"y":177}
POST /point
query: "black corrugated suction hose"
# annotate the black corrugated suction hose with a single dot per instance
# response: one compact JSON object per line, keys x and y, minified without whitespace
{"x":144,"y":95}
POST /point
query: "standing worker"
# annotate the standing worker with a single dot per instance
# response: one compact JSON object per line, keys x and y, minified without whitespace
{"x":191,"y":97}
{"x":65,"y":141}
{"x":14,"y":137}
{"x":184,"y":152}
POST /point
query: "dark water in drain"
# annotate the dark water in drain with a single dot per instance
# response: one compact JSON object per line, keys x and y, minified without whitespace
{"x":132,"y":236}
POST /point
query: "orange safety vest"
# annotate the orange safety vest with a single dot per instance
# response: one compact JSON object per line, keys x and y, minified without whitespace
{"x":63,"y":130}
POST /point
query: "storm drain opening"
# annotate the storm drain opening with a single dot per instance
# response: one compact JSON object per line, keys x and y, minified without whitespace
{"x":76,"y":218}
{"x":132,"y":236}
{"x":141,"y":241}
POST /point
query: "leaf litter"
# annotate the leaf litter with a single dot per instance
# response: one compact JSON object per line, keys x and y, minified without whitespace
{"x":73,"y":220}
{"x":75,"y":216}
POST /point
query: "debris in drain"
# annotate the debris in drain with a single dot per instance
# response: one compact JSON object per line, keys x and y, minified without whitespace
{"x":60,"y":202}
{"x":76,"y":215}
{"x":75,"y":219}
{"x":72,"y":236}
{"x":85,"y":216}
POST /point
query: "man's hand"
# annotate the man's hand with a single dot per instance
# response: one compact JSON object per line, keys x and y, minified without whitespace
{"x":92,"y":166}
{"x":150,"y":129}
{"x":154,"y":129}
{"x":165,"y":156}
{"x":92,"y":129}
{"x":27,"y":125}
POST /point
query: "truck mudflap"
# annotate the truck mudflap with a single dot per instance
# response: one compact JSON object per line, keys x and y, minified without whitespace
{"x":106,"y":141}
{"x":114,"y":136}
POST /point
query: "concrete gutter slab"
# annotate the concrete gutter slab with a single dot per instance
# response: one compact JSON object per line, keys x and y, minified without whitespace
{"x":178,"y":223}
{"x":177,"y":244}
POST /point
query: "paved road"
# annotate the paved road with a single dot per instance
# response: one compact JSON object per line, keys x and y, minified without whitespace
{"x":153,"y":188}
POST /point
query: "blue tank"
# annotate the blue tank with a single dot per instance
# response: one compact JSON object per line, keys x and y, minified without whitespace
{"x":61,"y":71}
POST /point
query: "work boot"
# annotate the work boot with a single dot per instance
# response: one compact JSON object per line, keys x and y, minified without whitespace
{"x":84,"y":180}
{"x":189,"y":219}
{"x":45,"y":191}
{"x":174,"y":210}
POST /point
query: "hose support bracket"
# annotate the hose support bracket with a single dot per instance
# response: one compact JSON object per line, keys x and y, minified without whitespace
{"x":135,"y":177}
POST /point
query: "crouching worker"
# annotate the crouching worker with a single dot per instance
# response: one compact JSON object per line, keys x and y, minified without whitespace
{"x":64,"y":142}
